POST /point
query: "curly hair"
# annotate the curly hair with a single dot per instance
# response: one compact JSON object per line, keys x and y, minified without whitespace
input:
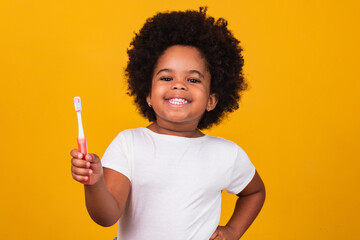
{"x":189,"y":28}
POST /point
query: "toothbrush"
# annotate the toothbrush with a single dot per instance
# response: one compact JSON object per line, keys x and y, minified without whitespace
{"x":82,"y":146}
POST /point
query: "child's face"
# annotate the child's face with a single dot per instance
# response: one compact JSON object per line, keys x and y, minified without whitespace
{"x":180,"y":91}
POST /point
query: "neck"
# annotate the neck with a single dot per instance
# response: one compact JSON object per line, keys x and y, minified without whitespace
{"x":183,"y":131}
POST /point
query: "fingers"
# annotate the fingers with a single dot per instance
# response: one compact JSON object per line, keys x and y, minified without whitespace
{"x":222,"y":233}
{"x":80,"y":178}
{"x":79,"y":163}
{"x":84,"y":166}
{"x":214,"y":235}
{"x":80,"y":168}
{"x":74,"y":153}
{"x":80,"y":174}
{"x":93,"y":158}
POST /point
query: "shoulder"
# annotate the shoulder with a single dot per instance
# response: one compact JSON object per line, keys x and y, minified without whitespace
{"x":226,"y":147}
{"x":130,"y":133}
{"x":222,"y":142}
{"x":221,"y":147}
{"x":124,"y":138}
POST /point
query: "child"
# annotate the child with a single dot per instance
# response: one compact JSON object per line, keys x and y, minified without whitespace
{"x":165,"y":181}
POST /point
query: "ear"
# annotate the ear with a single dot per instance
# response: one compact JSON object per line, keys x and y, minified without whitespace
{"x":148,"y":100}
{"x":213,"y":100}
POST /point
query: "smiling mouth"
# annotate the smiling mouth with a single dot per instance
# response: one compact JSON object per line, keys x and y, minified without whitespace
{"x":177,"y":101}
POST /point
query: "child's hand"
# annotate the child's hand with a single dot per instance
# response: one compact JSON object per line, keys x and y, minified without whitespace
{"x":223,"y":233}
{"x":82,"y":169}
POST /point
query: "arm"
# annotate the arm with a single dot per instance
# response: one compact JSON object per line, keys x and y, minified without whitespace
{"x":106,"y":200}
{"x":247,"y":207}
{"x":107,"y":192}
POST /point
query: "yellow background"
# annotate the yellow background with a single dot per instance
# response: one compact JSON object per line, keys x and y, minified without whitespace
{"x":298,"y":122}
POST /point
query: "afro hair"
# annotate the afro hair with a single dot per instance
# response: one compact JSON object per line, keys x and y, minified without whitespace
{"x":189,"y":28}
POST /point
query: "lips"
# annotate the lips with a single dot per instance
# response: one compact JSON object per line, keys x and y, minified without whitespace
{"x":177,"y":101}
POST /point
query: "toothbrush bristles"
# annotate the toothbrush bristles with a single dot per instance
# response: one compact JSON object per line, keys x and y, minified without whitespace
{"x":77,"y":103}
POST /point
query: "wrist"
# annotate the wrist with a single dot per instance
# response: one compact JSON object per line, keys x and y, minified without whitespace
{"x":236,"y":233}
{"x":97,"y":186}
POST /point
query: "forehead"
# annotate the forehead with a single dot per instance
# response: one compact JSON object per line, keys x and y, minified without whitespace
{"x":180,"y":57}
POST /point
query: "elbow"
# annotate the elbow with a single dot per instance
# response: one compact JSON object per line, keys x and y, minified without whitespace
{"x":105,"y":222}
{"x":260,"y":194}
{"x":263,"y":194}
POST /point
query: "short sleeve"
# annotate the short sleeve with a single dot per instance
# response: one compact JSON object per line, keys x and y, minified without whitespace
{"x":118,"y":155}
{"x":242,"y":173}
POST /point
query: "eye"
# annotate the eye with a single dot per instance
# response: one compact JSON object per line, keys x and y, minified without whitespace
{"x":166,"y":79}
{"x":193,"y":80}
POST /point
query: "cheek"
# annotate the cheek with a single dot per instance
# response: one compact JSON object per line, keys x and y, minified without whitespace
{"x":157,"y":92}
{"x":203,"y":92}
{"x":202,"y":98}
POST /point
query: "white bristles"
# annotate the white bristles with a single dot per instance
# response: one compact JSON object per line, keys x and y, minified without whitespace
{"x":77,"y":103}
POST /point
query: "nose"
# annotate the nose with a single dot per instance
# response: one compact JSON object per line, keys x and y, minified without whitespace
{"x":178,"y":85}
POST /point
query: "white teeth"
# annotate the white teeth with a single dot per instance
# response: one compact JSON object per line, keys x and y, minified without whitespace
{"x":178,"y":101}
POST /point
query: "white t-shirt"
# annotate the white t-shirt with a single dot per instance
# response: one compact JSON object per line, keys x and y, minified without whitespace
{"x":176,"y":182}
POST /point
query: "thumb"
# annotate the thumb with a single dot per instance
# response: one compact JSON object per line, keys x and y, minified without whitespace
{"x":93,"y":158}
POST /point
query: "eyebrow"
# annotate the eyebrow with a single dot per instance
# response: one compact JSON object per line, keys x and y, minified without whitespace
{"x":190,"y":71}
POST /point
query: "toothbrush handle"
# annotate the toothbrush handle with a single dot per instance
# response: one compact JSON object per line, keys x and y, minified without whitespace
{"x":82,"y":146}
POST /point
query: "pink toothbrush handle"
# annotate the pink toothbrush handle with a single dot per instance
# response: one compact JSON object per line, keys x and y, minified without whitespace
{"x":82,"y":146}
